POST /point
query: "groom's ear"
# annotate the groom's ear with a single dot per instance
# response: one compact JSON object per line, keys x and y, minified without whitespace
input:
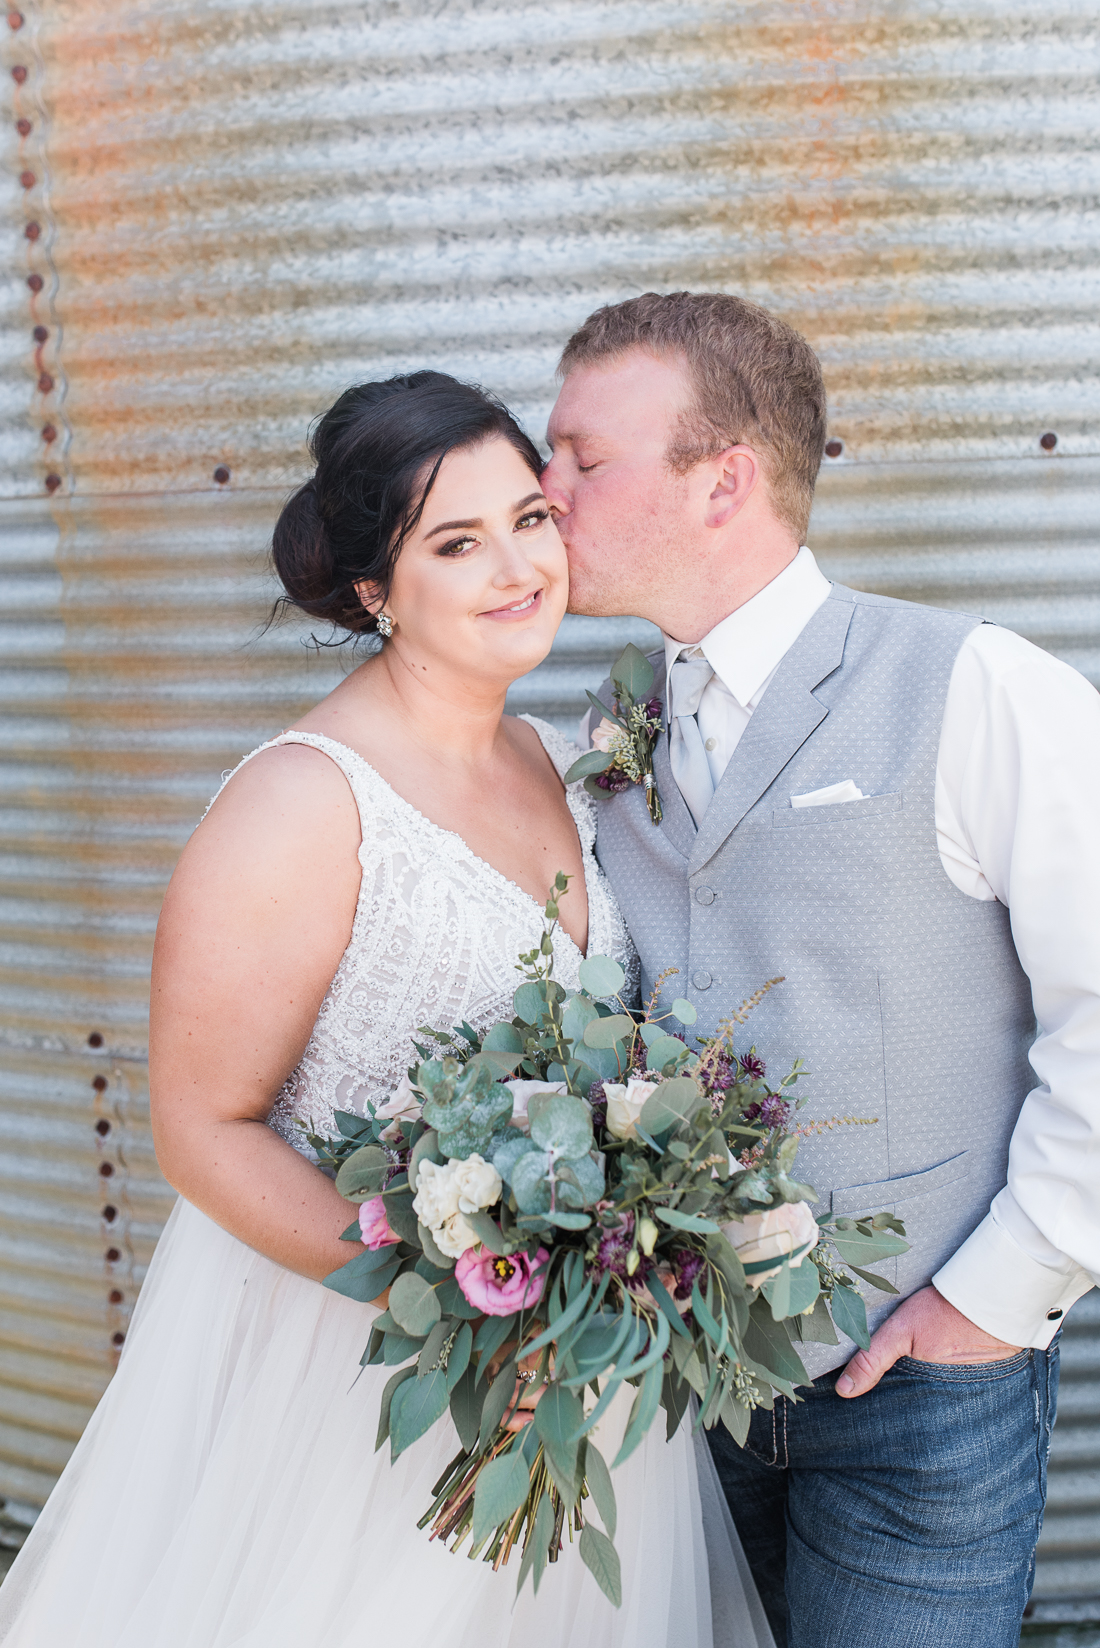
{"x":734,"y":475}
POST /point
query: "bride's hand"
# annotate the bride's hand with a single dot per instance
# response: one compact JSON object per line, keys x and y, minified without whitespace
{"x":526,"y":1398}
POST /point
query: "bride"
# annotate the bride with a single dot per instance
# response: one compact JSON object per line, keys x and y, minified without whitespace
{"x":377,"y":868}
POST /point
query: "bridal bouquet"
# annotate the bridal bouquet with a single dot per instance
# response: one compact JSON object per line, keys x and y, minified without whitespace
{"x":581,"y":1190}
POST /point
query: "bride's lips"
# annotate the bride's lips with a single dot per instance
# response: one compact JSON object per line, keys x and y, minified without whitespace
{"x":516,"y":611}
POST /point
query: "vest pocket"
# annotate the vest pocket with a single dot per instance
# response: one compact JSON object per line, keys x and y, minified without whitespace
{"x":919,"y":1199}
{"x":838,"y":812}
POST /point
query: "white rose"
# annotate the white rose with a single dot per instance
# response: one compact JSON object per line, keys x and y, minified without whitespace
{"x":437,"y":1193}
{"x":789,"y":1228}
{"x":522,"y":1093}
{"x":478,"y":1183}
{"x":603,"y":734}
{"x":624,"y":1105}
{"x":402,"y":1105}
{"x":454,"y":1236}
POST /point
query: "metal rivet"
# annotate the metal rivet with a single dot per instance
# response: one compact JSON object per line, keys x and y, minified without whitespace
{"x":15,"y":20}
{"x":106,"y":1171}
{"x":221,"y":474}
{"x":27,"y":179}
{"x":114,"y":1297}
{"x":704,"y":895}
{"x":103,"y":1127}
{"x":118,"y":1338}
{"x":1048,"y":441}
{"x":35,"y":282}
{"x":45,"y":384}
{"x":49,"y":433}
{"x":95,"y":1039}
{"x":32,"y":231}
{"x":701,"y":981}
{"x":833,"y":449}
{"x":19,"y":74}
{"x":23,"y":127}
{"x":40,"y":334}
{"x":112,"y":1255}
{"x":52,"y":482}
{"x":110,"y":1214}
{"x":99,"y":1083}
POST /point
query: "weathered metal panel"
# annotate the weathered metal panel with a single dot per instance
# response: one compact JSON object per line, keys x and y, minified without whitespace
{"x":227,"y":211}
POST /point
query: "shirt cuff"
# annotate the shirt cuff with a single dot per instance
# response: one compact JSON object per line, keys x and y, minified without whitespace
{"x":1004,"y":1291}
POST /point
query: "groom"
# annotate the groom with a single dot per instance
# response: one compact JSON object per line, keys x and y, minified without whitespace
{"x":896,"y":808}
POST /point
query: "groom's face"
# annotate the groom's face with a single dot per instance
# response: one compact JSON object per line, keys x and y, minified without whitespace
{"x":623,"y":514}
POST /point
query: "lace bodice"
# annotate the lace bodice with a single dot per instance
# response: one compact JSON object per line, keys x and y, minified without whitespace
{"x":435,"y":939}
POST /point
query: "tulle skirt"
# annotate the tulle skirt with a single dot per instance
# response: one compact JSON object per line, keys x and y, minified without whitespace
{"x":227,"y":1494}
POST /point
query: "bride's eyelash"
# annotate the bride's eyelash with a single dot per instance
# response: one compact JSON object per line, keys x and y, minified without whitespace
{"x":534,"y":515}
{"x":456,"y":546}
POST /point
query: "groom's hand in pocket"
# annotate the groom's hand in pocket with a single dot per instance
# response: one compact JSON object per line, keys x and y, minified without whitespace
{"x":927,"y":1328}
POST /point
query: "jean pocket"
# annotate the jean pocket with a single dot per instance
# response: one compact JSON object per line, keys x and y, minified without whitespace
{"x":965,"y":1373}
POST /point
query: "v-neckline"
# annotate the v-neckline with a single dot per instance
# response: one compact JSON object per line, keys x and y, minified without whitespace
{"x":453,"y":835}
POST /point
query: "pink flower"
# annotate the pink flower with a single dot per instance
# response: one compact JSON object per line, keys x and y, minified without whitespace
{"x":603,"y":735}
{"x":374,"y":1224}
{"x":499,"y":1285}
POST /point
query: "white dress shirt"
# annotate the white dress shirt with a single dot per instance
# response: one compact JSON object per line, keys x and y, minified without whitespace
{"x":1017,"y":819}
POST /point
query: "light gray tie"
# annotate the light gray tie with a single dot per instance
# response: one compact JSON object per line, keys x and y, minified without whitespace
{"x":690,"y":767}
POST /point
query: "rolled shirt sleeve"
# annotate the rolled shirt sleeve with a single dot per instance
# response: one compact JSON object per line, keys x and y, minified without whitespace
{"x":1018,"y":819}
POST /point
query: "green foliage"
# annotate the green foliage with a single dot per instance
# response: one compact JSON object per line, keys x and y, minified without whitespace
{"x":601,"y":976}
{"x":364,"y":1174}
{"x":415,"y":1406}
{"x":414,"y":1305}
{"x":502,"y":1487}
{"x":602,"y":1560}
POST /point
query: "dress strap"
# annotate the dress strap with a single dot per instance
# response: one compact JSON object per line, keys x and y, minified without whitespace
{"x":355,"y":769}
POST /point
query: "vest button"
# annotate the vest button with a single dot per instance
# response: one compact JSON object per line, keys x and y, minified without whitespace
{"x":701,"y":981}
{"x":704,"y":895}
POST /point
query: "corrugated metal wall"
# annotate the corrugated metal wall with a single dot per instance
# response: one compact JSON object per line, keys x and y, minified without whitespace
{"x":213,"y":216}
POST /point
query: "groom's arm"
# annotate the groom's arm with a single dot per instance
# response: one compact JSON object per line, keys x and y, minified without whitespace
{"x":1018,"y":818}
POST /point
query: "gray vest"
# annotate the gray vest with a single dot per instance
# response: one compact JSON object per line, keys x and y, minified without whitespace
{"x":904,"y":996}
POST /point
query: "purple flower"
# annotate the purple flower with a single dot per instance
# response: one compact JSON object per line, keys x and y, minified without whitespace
{"x":775,"y":1112}
{"x":613,"y":781}
{"x":752,"y":1066}
{"x":598,"y":1101}
{"x":653,"y":709}
{"x":615,"y":1244}
{"x":725,"y":1073}
{"x":687,"y":1266}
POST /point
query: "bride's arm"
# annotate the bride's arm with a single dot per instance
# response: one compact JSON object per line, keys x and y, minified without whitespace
{"x":254,"y":923}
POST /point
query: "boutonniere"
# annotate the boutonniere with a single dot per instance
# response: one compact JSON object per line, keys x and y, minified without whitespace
{"x":622,"y":744}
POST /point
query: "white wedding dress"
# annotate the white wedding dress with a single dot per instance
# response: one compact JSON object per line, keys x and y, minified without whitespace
{"x":226,"y":1493}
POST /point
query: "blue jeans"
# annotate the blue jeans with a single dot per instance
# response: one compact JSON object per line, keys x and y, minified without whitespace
{"x":908,"y":1516}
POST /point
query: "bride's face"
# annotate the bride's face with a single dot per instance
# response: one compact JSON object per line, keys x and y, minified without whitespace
{"x":482,"y":581}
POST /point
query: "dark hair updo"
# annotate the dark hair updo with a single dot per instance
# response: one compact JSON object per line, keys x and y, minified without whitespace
{"x":372,"y":448}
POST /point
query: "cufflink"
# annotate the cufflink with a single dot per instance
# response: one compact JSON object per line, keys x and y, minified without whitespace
{"x":1054,"y":1315}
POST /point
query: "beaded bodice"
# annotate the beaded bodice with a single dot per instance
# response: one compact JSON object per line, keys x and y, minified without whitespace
{"x":435,"y":939}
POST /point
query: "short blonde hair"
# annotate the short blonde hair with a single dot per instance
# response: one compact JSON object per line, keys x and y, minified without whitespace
{"x":755,"y":379}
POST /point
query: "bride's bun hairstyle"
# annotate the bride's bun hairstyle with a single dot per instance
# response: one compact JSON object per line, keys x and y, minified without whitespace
{"x":378,"y":451}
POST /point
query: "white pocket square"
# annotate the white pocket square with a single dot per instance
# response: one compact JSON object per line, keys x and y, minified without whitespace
{"x":829,"y":796}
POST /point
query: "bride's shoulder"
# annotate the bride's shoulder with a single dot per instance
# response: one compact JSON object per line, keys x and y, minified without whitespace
{"x":561,"y":750}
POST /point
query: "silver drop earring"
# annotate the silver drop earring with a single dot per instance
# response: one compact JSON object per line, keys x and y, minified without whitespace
{"x":385,"y":624}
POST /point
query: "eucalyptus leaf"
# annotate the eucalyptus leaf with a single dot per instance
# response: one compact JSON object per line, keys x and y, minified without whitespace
{"x":387,"y":1397}
{"x":434,"y":1343}
{"x":435,"y":1255}
{"x":502,"y":1038}
{"x":538,"y":1546}
{"x":414,"y":1305}
{"x":466,"y":1401}
{"x":454,"y":1301}
{"x":577,"y":1013}
{"x":415,"y":1407}
{"x":364,"y":1174}
{"x":497,"y":1061}
{"x":529,"y":1004}
{"x":673,"y":1102}
{"x":426,"y":1149}
{"x":498,"y":1399}
{"x":606,"y":1032}
{"x":676,"y":1220}
{"x":397,"y":1348}
{"x":558,"y":1417}
{"x":642,"y":1414}
{"x":665,"y":1050}
{"x":850,"y":1315}
{"x":766,"y":1342}
{"x":587,"y":1173}
{"x":598,"y":1477}
{"x":366,"y":1276}
{"x":507,"y":1153}
{"x":602,"y":1560}
{"x":458,"y":1359}
{"x":601,"y":976}
{"x":869,"y":1276}
{"x":632,"y":673}
{"x":530,"y":1182}
{"x":587,"y":765}
{"x":562,"y":1125}
{"x":502,"y":1487}
{"x":736,"y":1418}
{"x":684,"y":1011}
{"x":399,"y":1213}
